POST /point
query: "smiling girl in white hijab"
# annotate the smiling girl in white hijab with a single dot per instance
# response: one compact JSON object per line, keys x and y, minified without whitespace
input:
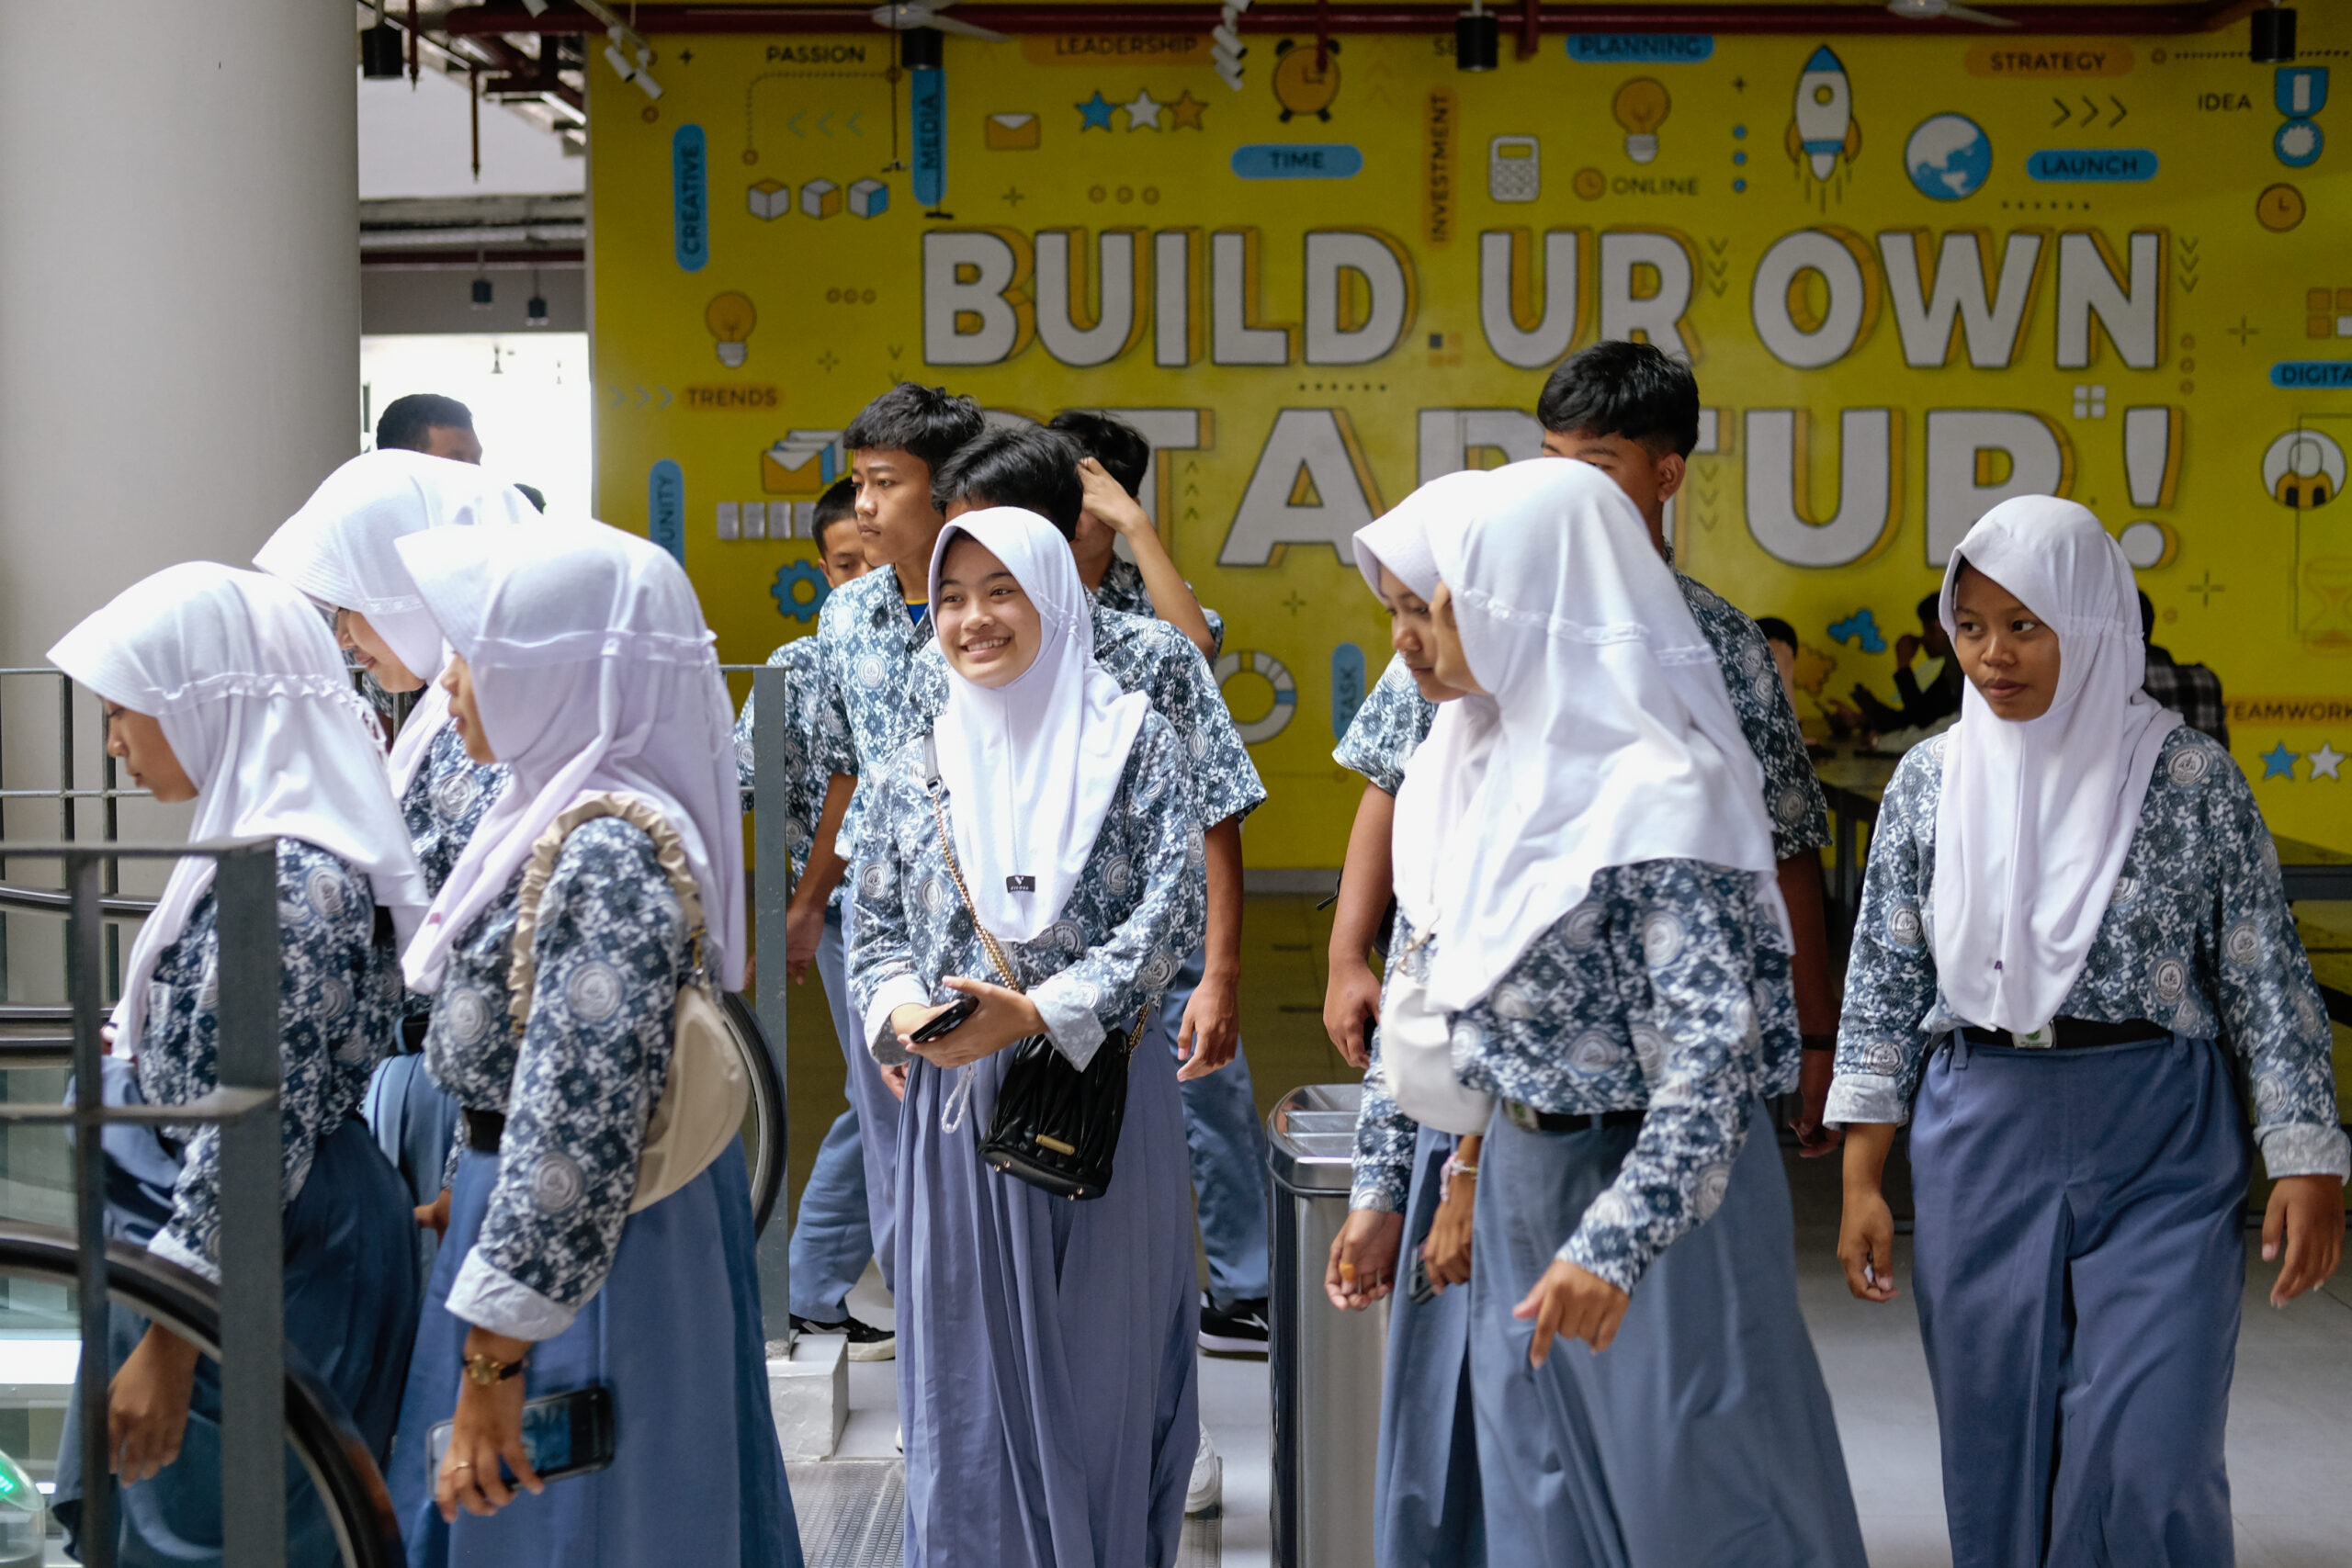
{"x":582,"y":663}
{"x":1045,"y":1348}
{"x":223,"y":687}
{"x":1610,"y":947}
{"x":2071,"y":896}
{"x":339,"y":549}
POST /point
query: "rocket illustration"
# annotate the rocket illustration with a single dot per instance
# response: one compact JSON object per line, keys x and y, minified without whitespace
{"x":1825,"y":127}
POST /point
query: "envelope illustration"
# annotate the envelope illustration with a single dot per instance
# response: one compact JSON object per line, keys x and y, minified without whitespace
{"x":1013,"y":133}
{"x":803,"y":463}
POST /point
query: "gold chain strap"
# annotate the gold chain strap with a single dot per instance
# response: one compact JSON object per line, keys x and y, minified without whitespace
{"x":987,"y":938}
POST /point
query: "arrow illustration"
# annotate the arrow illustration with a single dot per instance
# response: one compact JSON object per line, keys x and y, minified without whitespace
{"x":825,"y":123}
{"x":642,"y":397}
{"x":793,"y":125}
{"x":854,"y":127}
{"x":666,"y":399}
{"x":2090,"y":110}
{"x":2065,"y":114}
{"x":2119,"y":111}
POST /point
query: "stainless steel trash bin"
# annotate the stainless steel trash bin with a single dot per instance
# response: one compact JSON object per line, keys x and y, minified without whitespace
{"x":1325,"y":1364}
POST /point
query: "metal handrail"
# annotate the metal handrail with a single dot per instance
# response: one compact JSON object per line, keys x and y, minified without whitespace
{"x":358,"y":1504}
{"x":244,"y":1106}
{"x":57,"y":901}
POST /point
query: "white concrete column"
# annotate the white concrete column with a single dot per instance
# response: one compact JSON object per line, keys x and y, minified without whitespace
{"x":179,"y":289}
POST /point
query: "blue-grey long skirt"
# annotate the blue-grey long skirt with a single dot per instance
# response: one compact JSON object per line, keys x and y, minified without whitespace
{"x":1704,"y":1433}
{"x":1047,"y":1368}
{"x":697,"y":1478}
{"x":1426,"y":1510}
{"x":351,"y":1300}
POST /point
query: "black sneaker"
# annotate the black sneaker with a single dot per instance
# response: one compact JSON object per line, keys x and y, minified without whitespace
{"x":1241,"y":1331}
{"x":866,"y":1343}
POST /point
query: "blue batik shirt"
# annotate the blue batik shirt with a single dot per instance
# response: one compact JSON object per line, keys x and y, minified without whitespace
{"x":577,"y":1084}
{"x":1122,"y":590}
{"x":1140,"y":905}
{"x":816,"y":747}
{"x":1387,"y":729}
{"x":338,"y":996}
{"x":1793,"y":796}
{"x":447,"y":801}
{"x":1667,"y":990}
{"x":865,"y":647}
{"x":2197,"y":938}
{"x":1384,"y":1135}
{"x":1162,"y":662}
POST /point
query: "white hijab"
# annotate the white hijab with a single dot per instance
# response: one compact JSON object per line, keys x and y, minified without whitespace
{"x":1032,"y":766}
{"x":338,"y":549}
{"x":594,"y":671}
{"x":1443,"y":779}
{"x":253,"y":695}
{"x":2036,"y":816}
{"x":1617,"y":740}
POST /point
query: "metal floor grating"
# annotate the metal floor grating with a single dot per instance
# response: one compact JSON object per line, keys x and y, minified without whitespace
{"x":853,"y":1515}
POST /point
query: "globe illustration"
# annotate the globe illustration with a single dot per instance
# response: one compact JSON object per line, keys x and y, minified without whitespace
{"x":1949,"y":156}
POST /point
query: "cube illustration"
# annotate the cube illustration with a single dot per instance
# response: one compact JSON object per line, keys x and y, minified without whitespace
{"x":868,"y":198}
{"x":755,"y":519}
{"x":729,"y":520}
{"x":820,"y":198}
{"x":770,"y":200}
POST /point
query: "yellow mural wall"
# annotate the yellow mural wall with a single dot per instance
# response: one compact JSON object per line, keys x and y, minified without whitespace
{"x":1913,"y":276}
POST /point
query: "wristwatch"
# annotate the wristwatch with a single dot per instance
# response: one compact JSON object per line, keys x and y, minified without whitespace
{"x":1817,"y":1042}
{"x":488,"y":1373}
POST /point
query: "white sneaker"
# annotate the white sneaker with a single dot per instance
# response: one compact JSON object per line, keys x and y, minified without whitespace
{"x":1207,"y":1489}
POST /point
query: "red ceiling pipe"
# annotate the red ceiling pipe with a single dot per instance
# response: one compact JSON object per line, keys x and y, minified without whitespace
{"x":1414,"y":17}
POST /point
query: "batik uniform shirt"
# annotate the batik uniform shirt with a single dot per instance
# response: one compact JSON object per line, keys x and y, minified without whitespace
{"x":1122,"y":590}
{"x":1162,"y":662}
{"x":1793,"y":796}
{"x":2197,"y":938}
{"x":1384,"y":1135}
{"x":338,"y":994}
{"x":1387,"y":729}
{"x":865,"y":649}
{"x":816,"y":747}
{"x":1666,"y":990}
{"x":576,"y":1085}
{"x":1140,"y":905}
{"x":445,"y":802}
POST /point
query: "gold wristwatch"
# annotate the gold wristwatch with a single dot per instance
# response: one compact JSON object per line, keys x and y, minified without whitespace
{"x":481,"y":1369}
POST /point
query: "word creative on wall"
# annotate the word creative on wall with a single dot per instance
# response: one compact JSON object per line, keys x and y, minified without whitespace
{"x":1914,"y":276}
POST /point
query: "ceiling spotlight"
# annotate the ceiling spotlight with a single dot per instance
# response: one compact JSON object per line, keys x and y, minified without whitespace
{"x":1478,"y":39}
{"x":482,"y":294}
{"x":2274,"y":36}
{"x":923,"y":48}
{"x":535,"y":314}
{"x":629,"y":66}
{"x":380,"y":53}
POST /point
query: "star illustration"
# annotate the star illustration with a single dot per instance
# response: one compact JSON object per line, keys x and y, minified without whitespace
{"x":1097,"y":112}
{"x":1188,"y":110}
{"x":2325,"y":760}
{"x":2278,"y":762}
{"x":1144,"y":111}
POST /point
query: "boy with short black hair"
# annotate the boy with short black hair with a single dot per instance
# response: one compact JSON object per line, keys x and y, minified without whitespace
{"x":1116,"y":457}
{"x":832,"y":1235}
{"x":1632,"y":411}
{"x":1023,"y":465}
{"x":430,"y":424}
{"x":868,"y":636}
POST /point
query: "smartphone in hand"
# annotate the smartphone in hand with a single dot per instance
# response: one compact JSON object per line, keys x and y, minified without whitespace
{"x":564,"y":1434}
{"x":947,"y":1022}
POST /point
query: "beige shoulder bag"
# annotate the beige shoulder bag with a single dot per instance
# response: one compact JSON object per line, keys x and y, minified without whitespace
{"x":710,"y":1083}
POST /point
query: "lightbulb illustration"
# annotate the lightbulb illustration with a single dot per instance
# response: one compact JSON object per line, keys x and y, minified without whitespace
{"x":730,"y":318}
{"x":1641,"y":107}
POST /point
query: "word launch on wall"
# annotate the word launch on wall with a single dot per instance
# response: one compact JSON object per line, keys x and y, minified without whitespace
{"x":1914,"y":276}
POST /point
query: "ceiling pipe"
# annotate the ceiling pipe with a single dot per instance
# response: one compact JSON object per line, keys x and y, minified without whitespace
{"x":1417,"y":17}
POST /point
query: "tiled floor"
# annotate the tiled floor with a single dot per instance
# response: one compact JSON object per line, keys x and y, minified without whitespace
{"x":2290,"y":1427}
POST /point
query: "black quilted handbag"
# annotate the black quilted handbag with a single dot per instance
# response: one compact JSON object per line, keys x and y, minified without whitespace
{"x":1057,"y":1126}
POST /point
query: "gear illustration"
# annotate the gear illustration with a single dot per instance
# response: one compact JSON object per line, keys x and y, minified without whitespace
{"x":791,"y":580}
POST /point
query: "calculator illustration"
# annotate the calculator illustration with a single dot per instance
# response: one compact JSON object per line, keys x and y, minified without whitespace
{"x":1514,"y":169}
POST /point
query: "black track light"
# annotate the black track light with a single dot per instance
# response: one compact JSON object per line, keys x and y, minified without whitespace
{"x":1477,"y":40}
{"x":923,"y":48}
{"x":2274,"y":36}
{"x":483,"y":301}
{"x":380,"y":53}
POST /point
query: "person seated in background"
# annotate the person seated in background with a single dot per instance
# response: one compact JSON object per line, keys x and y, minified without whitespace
{"x":2192,"y":691}
{"x":1922,"y":706}
{"x":430,"y":424}
{"x":1781,"y":638}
